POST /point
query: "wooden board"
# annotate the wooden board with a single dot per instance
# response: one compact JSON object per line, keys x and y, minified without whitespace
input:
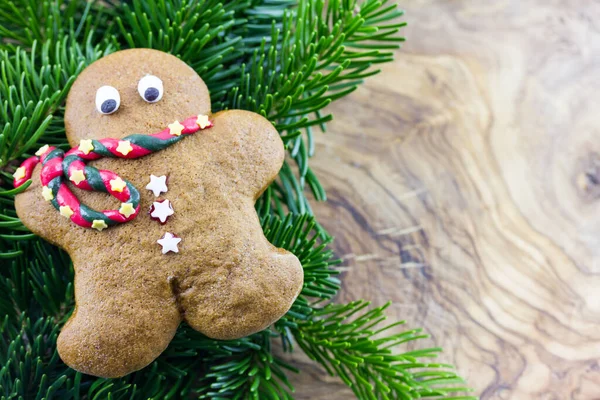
{"x":464,"y":185}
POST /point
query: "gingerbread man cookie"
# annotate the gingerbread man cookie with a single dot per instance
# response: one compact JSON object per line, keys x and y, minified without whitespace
{"x":179,"y":239}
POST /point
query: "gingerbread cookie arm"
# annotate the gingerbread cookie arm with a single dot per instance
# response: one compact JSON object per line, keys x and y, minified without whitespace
{"x":41,"y":217}
{"x":253,"y":151}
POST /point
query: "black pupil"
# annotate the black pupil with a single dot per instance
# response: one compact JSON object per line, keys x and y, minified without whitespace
{"x":108,"y":106}
{"x":151,"y":94}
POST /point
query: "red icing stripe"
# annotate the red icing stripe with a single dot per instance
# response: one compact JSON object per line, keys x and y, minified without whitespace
{"x":108,"y":176}
{"x":29,"y":165}
{"x":45,"y":154}
{"x":78,"y":165}
{"x":137,"y":152}
{"x":112,"y":145}
{"x":88,"y":157}
{"x":65,"y":197}
{"x":115,"y":215}
{"x":51,"y":170}
{"x":190,"y":125}
{"x":163,"y":135}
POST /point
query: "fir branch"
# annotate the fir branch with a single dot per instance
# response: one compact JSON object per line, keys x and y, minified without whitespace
{"x":317,"y":54}
{"x":24,"y":22}
{"x":246,"y":373}
{"x":39,"y":285}
{"x":31,"y":367}
{"x":348,"y":341}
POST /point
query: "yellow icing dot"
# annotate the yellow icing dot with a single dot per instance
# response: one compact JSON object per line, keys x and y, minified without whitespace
{"x":19,"y":173}
{"x":42,"y":150}
{"x":77,"y":176}
{"x":66,"y":211}
{"x":202,"y":121}
{"x":47,"y":193}
{"x":127,"y":209}
{"x":124,"y":147}
{"x":117,"y":185}
{"x":175,"y":128}
{"x":99,"y":224}
{"x":85,"y":146}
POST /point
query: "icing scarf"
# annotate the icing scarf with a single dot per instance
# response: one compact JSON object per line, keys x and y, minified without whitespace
{"x":58,"y":165}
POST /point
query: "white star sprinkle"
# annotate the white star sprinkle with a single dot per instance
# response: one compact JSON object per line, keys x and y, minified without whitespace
{"x":161,"y":210}
{"x":169,"y":243}
{"x":157,"y":185}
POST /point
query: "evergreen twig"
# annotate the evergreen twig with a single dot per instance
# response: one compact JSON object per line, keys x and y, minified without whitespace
{"x":318,"y":52}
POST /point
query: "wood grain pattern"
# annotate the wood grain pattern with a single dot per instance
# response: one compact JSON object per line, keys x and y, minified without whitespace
{"x":464,"y":185}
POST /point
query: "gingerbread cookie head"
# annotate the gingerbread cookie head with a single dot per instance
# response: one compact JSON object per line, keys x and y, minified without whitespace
{"x":189,"y":245}
{"x":136,"y":91}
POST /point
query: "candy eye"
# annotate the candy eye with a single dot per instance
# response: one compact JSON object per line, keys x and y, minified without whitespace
{"x":150,"y":88}
{"x":108,"y":100}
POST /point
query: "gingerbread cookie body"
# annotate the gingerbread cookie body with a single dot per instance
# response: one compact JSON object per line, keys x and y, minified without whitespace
{"x":212,"y":265}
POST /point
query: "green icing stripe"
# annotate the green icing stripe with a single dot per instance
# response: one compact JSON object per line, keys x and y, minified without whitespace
{"x":90,"y":215}
{"x":99,"y":148}
{"x":67,"y":163}
{"x":53,"y":154}
{"x":151,"y":143}
{"x":54,"y":185}
{"x":54,"y":202}
{"x":134,"y":195}
{"x":92,"y":175}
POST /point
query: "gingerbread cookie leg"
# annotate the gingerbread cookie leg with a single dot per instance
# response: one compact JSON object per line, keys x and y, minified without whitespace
{"x":243,"y":284}
{"x":122,"y":322}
